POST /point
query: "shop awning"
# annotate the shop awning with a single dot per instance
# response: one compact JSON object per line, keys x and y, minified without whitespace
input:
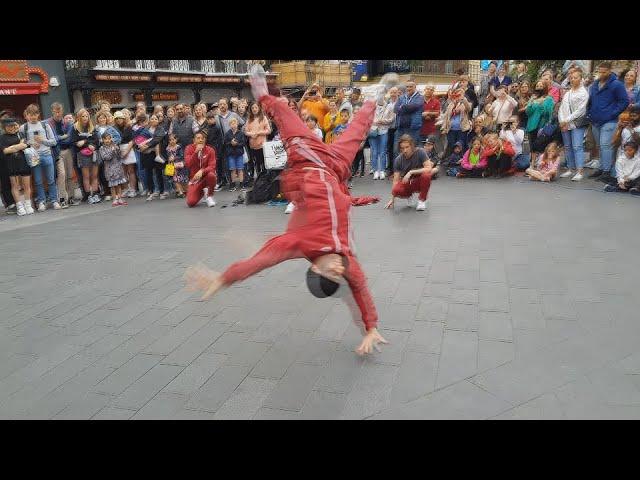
{"x":15,"y":88}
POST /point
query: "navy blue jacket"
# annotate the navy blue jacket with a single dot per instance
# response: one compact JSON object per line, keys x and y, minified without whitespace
{"x":607,"y":103}
{"x":409,"y":112}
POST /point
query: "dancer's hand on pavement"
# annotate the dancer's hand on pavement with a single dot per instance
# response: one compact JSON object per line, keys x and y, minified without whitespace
{"x":370,"y":341}
{"x":389,"y":204}
{"x":200,"y":277}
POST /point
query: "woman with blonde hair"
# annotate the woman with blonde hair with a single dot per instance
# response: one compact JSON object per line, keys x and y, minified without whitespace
{"x":85,"y":139}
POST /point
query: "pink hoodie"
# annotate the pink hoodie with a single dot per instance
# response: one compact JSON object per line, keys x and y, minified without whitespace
{"x":482,"y":163}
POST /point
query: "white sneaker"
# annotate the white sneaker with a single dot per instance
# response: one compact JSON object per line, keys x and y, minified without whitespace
{"x":164,"y":196}
{"x":375,"y":175}
{"x":42,"y":207}
{"x":290,"y":208}
{"x":381,"y":175}
{"x":411,"y":201}
{"x":567,"y":174}
{"x":421,"y":206}
{"x":211,"y":202}
{"x":577,"y":177}
{"x":96,"y":198}
{"x":20,"y":209}
{"x":132,"y":194}
{"x":56,"y":206}
{"x":155,"y":194}
{"x":149,"y":197}
{"x":107,"y":198}
{"x":28,"y":207}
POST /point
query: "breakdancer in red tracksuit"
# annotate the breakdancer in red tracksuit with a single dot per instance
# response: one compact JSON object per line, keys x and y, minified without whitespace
{"x":320,"y":227}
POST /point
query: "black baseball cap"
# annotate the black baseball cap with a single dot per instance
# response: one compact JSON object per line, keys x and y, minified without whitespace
{"x":431,"y":139}
{"x":319,"y":286}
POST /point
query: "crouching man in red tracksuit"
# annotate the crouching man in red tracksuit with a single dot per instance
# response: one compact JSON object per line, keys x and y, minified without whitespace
{"x":411,"y":173}
{"x":320,"y":227}
{"x":200,"y":159}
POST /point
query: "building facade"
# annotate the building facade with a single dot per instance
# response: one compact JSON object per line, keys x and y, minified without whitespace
{"x":23,"y":82}
{"x":125,"y":82}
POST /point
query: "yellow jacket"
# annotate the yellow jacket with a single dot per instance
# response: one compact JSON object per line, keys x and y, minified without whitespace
{"x":329,"y":124}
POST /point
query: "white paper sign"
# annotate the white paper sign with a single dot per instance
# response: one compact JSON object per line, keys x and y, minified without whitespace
{"x":275,"y":155}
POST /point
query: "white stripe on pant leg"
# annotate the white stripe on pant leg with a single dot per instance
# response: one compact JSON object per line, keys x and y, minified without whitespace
{"x":333,"y":212}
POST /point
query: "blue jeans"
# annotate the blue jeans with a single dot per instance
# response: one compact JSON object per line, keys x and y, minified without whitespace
{"x":603,"y":135}
{"x":573,"y":148}
{"x":48,"y":167}
{"x":378,"y":146}
{"x":522,"y":161}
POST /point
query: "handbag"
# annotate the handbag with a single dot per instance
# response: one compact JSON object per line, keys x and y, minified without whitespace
{"x":169,"y":170}
{"x":32,"y":157}
{"x":86,"y":151}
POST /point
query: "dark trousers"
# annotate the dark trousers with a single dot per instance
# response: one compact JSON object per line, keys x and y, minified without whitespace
{"x":629,"y":184}
{"x":498,"y":164}
{"x":5,"y":185}
{"x":474,"y":172}
{"x":358,"y":162}
{"x":455,"y":136}
{"x":390,"y":144}
{"x":256,"y":156}
{"x":222,"y":172}
{"x":152,"y":168}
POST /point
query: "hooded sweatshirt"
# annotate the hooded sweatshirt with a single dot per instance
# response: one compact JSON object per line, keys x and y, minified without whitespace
{"x":628,"y":167}
{"x":606,"y":103}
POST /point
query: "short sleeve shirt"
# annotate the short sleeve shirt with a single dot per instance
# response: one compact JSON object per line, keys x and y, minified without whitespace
{"x":402,"y":165}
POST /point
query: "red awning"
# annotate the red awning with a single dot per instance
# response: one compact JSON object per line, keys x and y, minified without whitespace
{"x":20,"y":88}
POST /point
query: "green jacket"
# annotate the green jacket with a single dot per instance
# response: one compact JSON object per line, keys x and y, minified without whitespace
{"x":539,"y":114}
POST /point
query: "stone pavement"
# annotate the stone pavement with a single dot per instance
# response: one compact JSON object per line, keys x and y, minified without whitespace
{"x":505,"y":299}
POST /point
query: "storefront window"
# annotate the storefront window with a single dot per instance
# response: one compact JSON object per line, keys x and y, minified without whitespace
{"x":108,"y":64}
{"x":145,"y":65}
{"x":179,"y":65}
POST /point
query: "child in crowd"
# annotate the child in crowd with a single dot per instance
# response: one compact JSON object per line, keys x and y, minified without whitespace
{"x":312,"y":123}
{"x":176,"y":157}
{"x":110,"y":156}
{"x":455,"y":157}
{"x":547,"y":165}
{"x":627,"y":170}
{"x":234,"y":143}
{"x":474,"y":162}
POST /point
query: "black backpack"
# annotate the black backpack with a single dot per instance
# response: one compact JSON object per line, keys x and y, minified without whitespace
{"x":265,"y":188}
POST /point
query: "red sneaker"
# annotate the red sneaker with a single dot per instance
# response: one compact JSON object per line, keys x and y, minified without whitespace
{"x":123,"y":203}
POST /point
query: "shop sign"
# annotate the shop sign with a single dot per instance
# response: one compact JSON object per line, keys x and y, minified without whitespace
{"x":124,"y":78}
{"x":158,"y":97}
{"x":13,"y":71}
{"x":171,"y":78}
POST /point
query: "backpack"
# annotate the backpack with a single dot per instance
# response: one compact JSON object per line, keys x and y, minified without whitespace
{"x":23,"y":129}
{"x":265,"y":188}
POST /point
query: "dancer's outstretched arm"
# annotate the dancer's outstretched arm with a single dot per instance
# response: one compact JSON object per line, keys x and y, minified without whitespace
{"x":276,"y":250}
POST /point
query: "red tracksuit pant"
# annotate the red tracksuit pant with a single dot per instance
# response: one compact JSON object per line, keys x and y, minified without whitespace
{"x":195,"y":191}
{"x":417,"y":183}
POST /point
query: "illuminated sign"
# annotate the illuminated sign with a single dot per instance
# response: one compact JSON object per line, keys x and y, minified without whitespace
{"x":124,"y":78}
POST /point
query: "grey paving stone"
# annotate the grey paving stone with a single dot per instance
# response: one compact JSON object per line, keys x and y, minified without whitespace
{"x":495,"y":326}
{"x":178,"y":335}
{"x":519,"y":296}
{"x":493,"y":353}
{"x":142,"y":321}
{"x":462,"y":317}
{"x":461,"y":401}
{"x":442,"y":272}
{"x":147,"y":386}
{"x":127,"y":374}
{"x":432,"y":309}
{"x":272,"y":327}
{"x":465,"y":279}
{"x":111,"y":413}
{"x":228,"y":343}
{"x":494,"y":297}
{"x":197,"y":343}
{"x":248,"y":354}
{"x":334,"y":326}
{"x":323,"y":406}
{"x":164,"y":406}
{"x":196,"y":374}
{"x":84,"y":408}
{"x":558,"y":306}
{"x":282,"y":354}
{"x":409,"y":290}
{"x":426,"y":337}
{"x":492,"y":271}
{"x":212,"y":395}
{"x":398,"y":317}
{"x":438,"y":290}
{"x":371,"y":392}
{"x":294,"y":388}
{"x":275,"y":414}
{"x":246,"y":400}
{"x":390,"y":354}
{"x":417,"y":377}
{"x":459,"y":357}
{"x":178,"y":314}
{"x":468,"y":297}
{"x":467,"y":262}
{"x":106,"y":344}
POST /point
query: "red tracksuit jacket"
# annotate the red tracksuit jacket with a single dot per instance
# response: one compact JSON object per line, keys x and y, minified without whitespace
{"x":315,"y":179}
{"x":206,"y":161}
